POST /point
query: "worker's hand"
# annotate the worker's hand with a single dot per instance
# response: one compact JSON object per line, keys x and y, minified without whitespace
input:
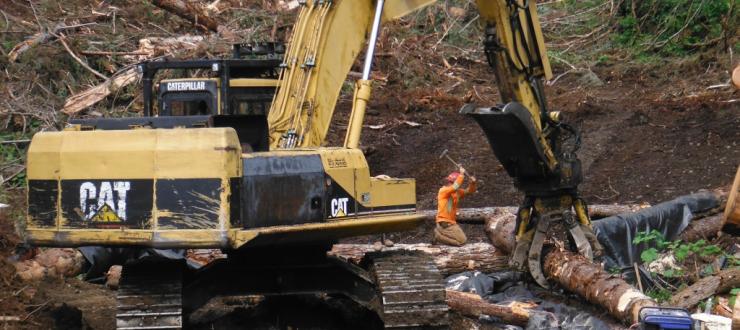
{"x":472,"y":178}
{"x":462,"y":170}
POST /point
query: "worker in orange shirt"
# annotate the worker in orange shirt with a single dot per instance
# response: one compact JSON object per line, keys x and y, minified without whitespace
{"x":447,"y":230}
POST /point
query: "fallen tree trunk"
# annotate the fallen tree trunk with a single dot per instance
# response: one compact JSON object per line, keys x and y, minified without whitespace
{"x":189,"y":10}
{"x":471,"y":304}
{"x":576,"y":274}
{"x":479,"y":215}
{"x":81,"y":101}
{"x":704,"y":228}
{"x":449,"y":259}
{"x":706,"y":287}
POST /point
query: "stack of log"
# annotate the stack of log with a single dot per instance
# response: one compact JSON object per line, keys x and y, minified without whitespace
{"x":571,"y":271}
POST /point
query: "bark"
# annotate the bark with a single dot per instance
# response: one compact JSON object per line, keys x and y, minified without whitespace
{"x":449,"y":259}
{"x":191,"y":11}
{"x":576,"y":274}
{"x":705,"y":228}
{"x":706,"y":287}
{"x":81,"y":101}
{"x":471,"y":304}
{"x":479,"y":215}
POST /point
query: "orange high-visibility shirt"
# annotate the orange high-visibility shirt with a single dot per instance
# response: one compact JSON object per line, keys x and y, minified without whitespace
{"x":448,"y":197}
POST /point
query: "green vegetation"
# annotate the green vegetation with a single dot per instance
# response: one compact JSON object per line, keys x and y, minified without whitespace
{"x":679,"y":249}
{"x":675,"y":27}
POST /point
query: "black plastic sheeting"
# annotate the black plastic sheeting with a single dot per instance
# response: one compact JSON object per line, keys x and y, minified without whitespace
{"x":100,"y":259}
{"x":616,"y":233}
{"x":508,"y":286}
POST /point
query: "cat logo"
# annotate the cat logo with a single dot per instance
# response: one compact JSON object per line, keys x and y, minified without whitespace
{"x":104,"y":203}
{"x":106,"y":214}
{"x":339,"y":207}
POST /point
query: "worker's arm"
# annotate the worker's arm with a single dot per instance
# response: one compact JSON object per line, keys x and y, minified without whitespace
{"x":446,"y":191}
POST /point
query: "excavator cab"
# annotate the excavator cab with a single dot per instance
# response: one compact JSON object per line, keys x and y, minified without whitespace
{"x":235,"y":92}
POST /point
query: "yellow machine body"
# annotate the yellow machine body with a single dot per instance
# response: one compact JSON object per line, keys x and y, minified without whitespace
{"x":182,"y":188}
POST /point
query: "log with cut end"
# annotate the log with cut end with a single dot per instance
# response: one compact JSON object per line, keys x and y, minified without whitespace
{"x":576,"y":274}
{"x":189,"y":10}
{"x":706,"y":287}
{"x":471,"y":304}
{"x":449,"y":259}
{"x":51,"y":263}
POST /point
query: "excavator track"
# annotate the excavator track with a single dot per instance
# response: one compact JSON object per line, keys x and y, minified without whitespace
{"x":150,"y":296}
{"x":412,"y":291}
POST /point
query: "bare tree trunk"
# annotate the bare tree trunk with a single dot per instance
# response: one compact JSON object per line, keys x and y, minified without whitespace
{"x":81,"y":101}
{"x":723,"y":282}
{"x":479,"y":215}
{"x":449,"y":259}
{"x":576,"y":274}
{"x":191,"y":11}
{"x":471,"y":304}
{"x":705,"y":228}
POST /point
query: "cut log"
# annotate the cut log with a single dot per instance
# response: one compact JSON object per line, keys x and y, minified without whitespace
{"x":51,"y":263}
{"x":471,"y":304}
{"x":191,"y":11}
{"x":81,"y":101}
{"x":705,"y":228}
{"x":576,"y":274}
{"x":706,"y":287}
{"x":500,"y":230}
{"x":449,"y":259}
{"x":479,"y":215}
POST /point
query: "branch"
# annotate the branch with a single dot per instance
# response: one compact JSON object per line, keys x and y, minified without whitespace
{"x":61,"y":38}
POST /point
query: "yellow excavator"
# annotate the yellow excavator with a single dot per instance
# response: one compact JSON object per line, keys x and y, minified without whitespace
{"x":172,"y":182}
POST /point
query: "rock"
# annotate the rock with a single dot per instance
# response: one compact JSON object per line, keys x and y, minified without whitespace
{"x":590,"y":79}
{"x":388,"y":243}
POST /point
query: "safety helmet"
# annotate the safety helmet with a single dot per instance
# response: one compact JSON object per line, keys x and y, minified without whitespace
{"x":452,"y":177}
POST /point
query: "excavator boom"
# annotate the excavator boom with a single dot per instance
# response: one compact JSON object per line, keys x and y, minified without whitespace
{"x":327,"y":38}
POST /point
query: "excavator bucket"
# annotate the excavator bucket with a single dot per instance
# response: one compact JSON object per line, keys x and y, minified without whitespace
{"x":513,"y":138}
